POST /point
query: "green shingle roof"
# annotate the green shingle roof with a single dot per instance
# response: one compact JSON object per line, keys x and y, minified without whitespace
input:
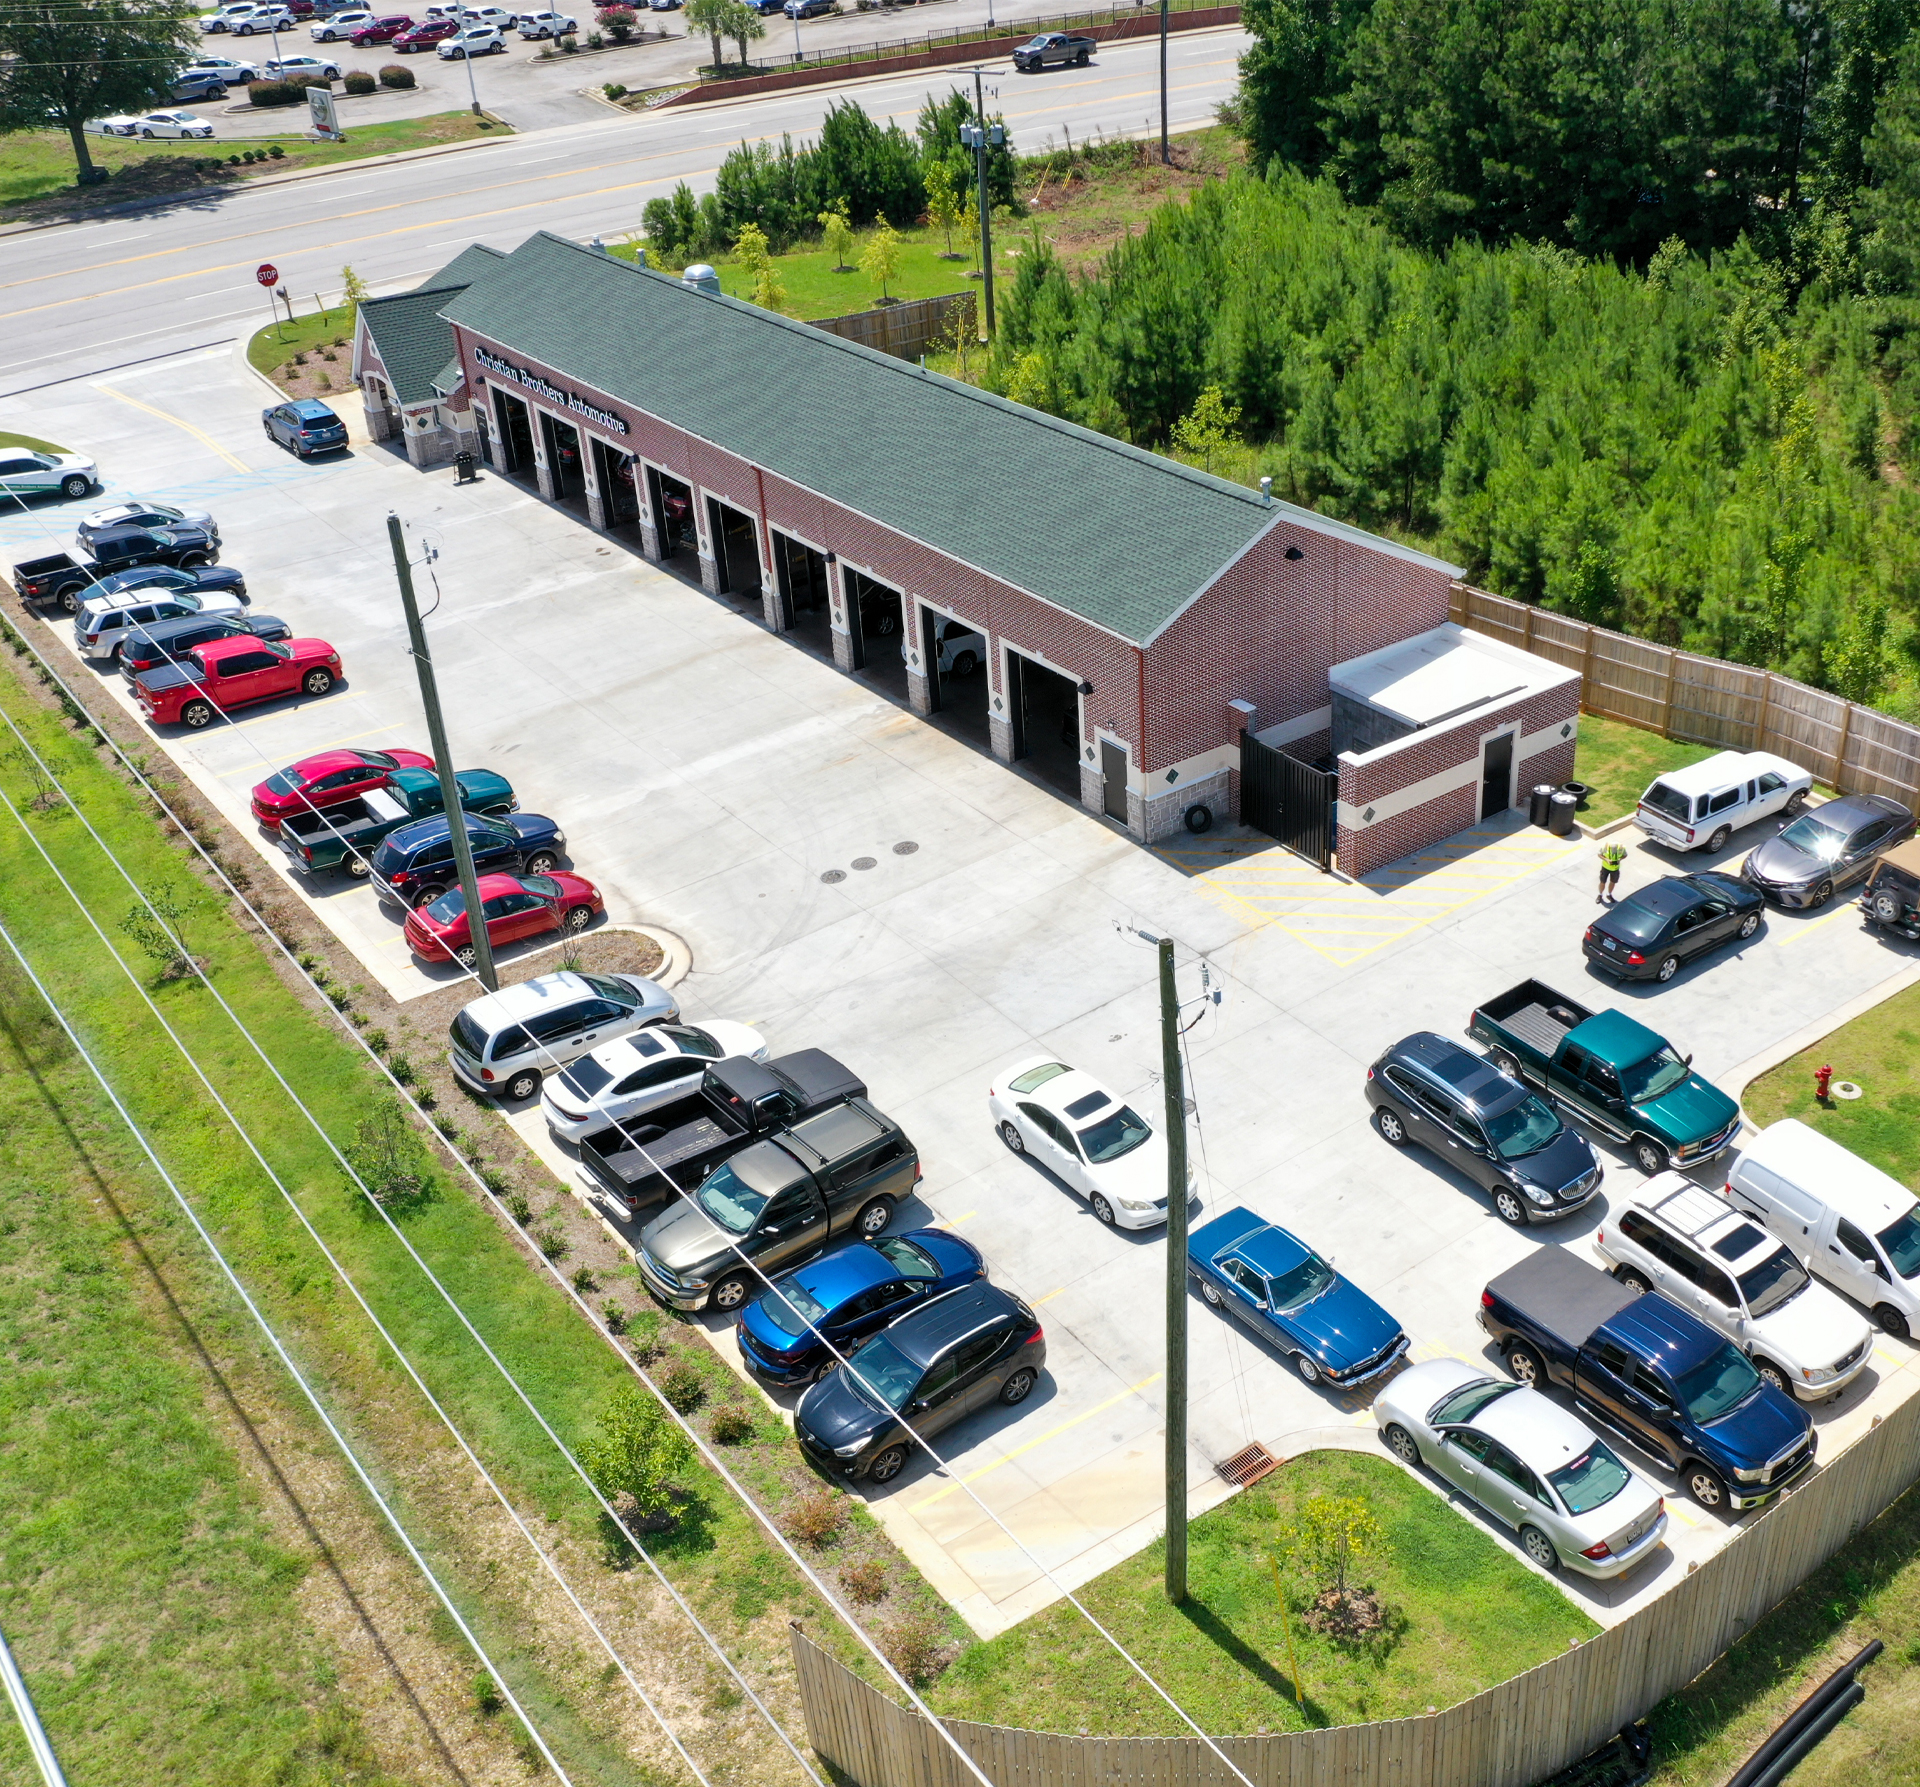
{"x":412,"y":337}
{"x":1117,"y":535}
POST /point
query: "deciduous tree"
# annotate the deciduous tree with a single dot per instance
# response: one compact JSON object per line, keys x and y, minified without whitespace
{"x":638,"y":1451}
{"x":881,"y":260}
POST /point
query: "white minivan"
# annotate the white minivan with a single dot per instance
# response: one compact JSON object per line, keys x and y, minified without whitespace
{"x":1702,"y":806}
{"x":1852,"y":1224}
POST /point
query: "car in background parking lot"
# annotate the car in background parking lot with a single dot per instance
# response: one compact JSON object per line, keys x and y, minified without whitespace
{"x":338,"y":25}
{"x":229,"y":673}
{"x":515,"y":907}
{"x":1072,"y":1125}
{"x":1568,"y":1496}
{"x":198,"y":84}
{"x":424,"y":36}
{"x":470,"y":40}
{"x":167,"y":580}
{"x":1288,"y":1295}
{"x":262,"y":19}
{"x":173,"y":124}
{"x":314,"y":70}
{"x":124,"y":515}
{"x":228,"y":69}
{"x":121,"y":124}
{"x":381,"y":28}
{"x":969,"y":1350}
{"x":27,"y":471}
{"x":623,"y":1081}
{"x":536,"y":25}
{"x":415,"y":864}
{"x":1655,"y":928}
{"x":806,"y":9}
{"x":800,"y":1328}
{"x":1826,"y":849}
{"x":1485,"y":1124}
{"x":304,"y":426}
{"x":222,"y":18}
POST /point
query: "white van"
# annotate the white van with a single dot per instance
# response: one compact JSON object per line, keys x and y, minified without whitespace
{"x":1852,"y":1224}
{"x":1702,"y":806}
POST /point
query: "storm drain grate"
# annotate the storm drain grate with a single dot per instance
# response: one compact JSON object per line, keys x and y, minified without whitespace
{"x":1248,"y":1465}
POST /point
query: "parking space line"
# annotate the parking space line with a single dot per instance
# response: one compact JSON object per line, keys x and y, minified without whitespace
{"x":200,"y":434}
{"x":1039,"y":1439}
{"x":253,"y":769}
{"x":1799,"y":931}
{"x":1048,"y":1298}
{"x":953,"y":1222}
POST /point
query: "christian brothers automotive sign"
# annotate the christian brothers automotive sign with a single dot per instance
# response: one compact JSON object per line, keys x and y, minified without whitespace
{"x":534,"y":382}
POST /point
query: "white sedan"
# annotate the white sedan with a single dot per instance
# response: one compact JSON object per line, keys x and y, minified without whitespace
{"x":1072,"y":1125}
{"x":1532,"y":1465}
{"x":174,"y":124}
{"x":235,"y":74}
{"x":626,"y":1079}
{"x":302,"y":68}
{"x":120,"y":125}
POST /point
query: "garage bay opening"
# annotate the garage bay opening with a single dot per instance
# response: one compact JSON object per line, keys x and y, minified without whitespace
{"x":514,"y":431}
{"x":672,"y":503}
{"x":875,"y":617}
{"x":954,"y":653}
{"x":736,"y":549}
{"x":1046,"y":722}
{"x":616,"y":474}
{"x":800,"y":574}
{"x":565,"y":464}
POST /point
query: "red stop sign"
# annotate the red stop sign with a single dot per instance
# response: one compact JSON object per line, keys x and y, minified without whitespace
{"x":267,"y":273}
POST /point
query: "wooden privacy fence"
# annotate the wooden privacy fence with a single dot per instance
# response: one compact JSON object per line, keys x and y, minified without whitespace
{"x":905,"y":330}
{"x":1707,"y":700}
{"x":1515,"y":1735}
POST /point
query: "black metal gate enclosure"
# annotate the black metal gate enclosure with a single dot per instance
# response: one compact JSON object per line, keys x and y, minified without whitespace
{"x":1290,"y":801}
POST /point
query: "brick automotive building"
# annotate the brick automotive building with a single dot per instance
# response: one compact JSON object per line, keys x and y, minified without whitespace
{"x":1127,"y":626}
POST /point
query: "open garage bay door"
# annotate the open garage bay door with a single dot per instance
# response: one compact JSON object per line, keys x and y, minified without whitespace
{"x":1291,"y":801}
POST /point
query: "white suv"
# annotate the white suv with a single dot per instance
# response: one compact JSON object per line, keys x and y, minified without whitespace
{"x":223,"y":19}
{"x":535,"y":25}
{"x":341,"y":24}
{"x":1696,"y":1250}
{"x":470,"y":40}
{"x":505,"y":1042}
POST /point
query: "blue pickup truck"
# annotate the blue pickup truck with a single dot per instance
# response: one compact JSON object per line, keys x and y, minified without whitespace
{"x":1656,"y":1375}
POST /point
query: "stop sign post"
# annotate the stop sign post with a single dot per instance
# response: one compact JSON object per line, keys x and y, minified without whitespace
{"x":269,"y":276}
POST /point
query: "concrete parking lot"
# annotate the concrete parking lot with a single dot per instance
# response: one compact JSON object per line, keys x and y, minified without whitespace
{"x":736,"y":789}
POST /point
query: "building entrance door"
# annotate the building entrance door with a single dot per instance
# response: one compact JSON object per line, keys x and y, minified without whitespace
{"x":1496,"y":775}
{"x":515,"y":429}
{"x":1113,"y":778}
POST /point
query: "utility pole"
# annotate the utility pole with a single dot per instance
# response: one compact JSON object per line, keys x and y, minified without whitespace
{"x":977,"y":136}
{"x":1176,"y":1119}
{"x":443,"y":760}
{"x":1166,"y":154}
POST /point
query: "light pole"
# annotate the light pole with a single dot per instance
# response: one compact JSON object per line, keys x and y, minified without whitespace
{"x":1176,"y":1122}
{"x":977,"y":137}
{"x":466,"y":56}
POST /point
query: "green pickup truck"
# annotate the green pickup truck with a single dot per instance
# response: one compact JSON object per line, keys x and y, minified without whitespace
{"x":345,"y":836}
{"x":1617,"y":1075}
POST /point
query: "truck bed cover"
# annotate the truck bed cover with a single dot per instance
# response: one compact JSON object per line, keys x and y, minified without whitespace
{"x":627,"y":1166}
{"x":1562,"y":1293}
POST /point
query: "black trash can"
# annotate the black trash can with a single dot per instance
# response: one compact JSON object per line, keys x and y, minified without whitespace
{"x":1579,"y":791}
{"x":1560,"y":814}
{"x":463,"y":467}
{"x":1538,"y":803}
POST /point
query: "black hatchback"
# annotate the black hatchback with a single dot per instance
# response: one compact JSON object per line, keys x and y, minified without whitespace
{"x":1501,"y":1134}
{"x":1653,"y":930}
{"x":955,"y":1354}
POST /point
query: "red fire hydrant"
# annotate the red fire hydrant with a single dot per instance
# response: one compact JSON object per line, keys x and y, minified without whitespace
{"x":1822,"y":1079}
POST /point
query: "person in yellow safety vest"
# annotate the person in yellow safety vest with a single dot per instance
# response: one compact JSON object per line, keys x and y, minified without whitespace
{"x":1611,"y":857}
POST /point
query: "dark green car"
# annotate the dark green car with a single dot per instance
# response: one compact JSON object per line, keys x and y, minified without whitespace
{"x":1626,"y":1081}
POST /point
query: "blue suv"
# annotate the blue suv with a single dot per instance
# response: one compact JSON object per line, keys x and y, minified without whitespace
{"x":304,"y":426}
{"x":845,"y":1295}
{"x":416,"y":861}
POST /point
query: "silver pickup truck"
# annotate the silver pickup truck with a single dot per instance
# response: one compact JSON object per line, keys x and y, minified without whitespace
{"x":1053,"y":49}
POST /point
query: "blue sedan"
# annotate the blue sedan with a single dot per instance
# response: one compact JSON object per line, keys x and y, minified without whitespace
{"x":845,"y":1296}
{"x":1288,"y":1295}
{"x":159,"y":579}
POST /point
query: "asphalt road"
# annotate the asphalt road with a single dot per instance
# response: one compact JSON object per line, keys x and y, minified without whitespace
{"x":85,"y":298}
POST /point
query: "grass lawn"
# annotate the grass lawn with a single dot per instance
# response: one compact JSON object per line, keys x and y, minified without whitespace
{"x":277,"y":345}
{"x":1880,"y":1050}
{"x":32,"y":442}
{"x":1619,"y":761}
{"x":717,"y":1555}
{"x":1472,"y":1618}
{"x":37,"y":172}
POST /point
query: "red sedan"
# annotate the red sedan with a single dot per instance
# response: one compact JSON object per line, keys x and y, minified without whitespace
{"x":229,"y":673}
{"x":382,"y":30}
{"x":419,"y":37}
{"x":516,"y":906}
{"x":326,"y":779}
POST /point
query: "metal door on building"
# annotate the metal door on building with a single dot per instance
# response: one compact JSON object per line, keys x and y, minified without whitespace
{"x":1291,"y":801}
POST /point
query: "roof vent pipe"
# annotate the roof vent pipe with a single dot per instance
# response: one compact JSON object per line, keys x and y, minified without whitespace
{"x":1266,"y":491}
{"x":701,"y":278}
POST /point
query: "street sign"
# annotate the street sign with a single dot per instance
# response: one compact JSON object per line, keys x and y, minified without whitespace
{"x":267,"y":273}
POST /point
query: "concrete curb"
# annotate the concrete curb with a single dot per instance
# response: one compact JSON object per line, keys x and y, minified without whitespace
{"x":1736,"y":1082}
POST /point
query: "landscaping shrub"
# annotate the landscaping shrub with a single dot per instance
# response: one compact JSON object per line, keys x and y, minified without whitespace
{"x":865,"y":1582}
{"x":817,"y":1517}
{"x":684,"y":1385}
{"x":275,"y":93}
{"x":594,"y":42}
{"x":614,"y":90}
{"x":732,"y":1425}
{"x":396,"y":74}
{"x":357,"y":80}
{"x":916,"y":1645}
{"x":278,"y":153}
{"x":638,"y":1451}
{"x":617,"y":22}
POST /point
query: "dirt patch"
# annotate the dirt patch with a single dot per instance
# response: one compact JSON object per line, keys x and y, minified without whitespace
{"x":325,"y":373}
{"x":1354,"y":1617}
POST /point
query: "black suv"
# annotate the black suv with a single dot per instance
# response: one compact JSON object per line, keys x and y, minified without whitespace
{"x":1891,"y":897}
{"x":964,"y":1351}
{"x":1498,"y":1132}
{"x":166,"y":641}
{"x":179,"y":544}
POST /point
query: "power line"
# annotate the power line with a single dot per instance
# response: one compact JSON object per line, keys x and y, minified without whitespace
{"x":38,"y":1744}
{"x":341,"y":1272}
{"x":286,"y":1359}
{"x":914,"y":1437}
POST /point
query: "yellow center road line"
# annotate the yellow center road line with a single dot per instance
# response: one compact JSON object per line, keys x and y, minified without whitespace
{"x":334,"y":744}
{"x":1847,"y":909}
{"x":1039,"y":1439}
{"x":200,"y":434}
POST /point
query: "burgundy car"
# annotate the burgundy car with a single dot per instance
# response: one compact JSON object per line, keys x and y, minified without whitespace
{"x":382,"y":30}
{"x":327,"y":779}
{"x":516,"y":906}
{"x":419,"y":37}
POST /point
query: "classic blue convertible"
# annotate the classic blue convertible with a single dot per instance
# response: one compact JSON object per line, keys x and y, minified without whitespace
{"x":1287,"y":1294}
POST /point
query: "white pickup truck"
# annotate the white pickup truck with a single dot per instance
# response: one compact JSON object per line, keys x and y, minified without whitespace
{"x":1702,"y":806}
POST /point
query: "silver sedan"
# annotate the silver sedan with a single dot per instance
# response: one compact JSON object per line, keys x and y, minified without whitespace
{"x":1527,"y":1462}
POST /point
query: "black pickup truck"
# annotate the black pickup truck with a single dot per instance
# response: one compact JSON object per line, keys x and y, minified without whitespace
{"x":738,"y":1102}
{"x":1677,"y":1389}
{"x":60,"y":578}
{"x":344,"y":835}
{"x":779,"y":1202}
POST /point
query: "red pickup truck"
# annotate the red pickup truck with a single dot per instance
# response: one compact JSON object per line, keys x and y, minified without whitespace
{"x":228,"y":673}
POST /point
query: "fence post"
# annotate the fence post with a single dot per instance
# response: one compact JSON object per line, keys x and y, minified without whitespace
{"x":1526,"y":635}
{"x":1766,"y":711}
{"x":1586,"y":670}
{"x":1840,"y":755}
